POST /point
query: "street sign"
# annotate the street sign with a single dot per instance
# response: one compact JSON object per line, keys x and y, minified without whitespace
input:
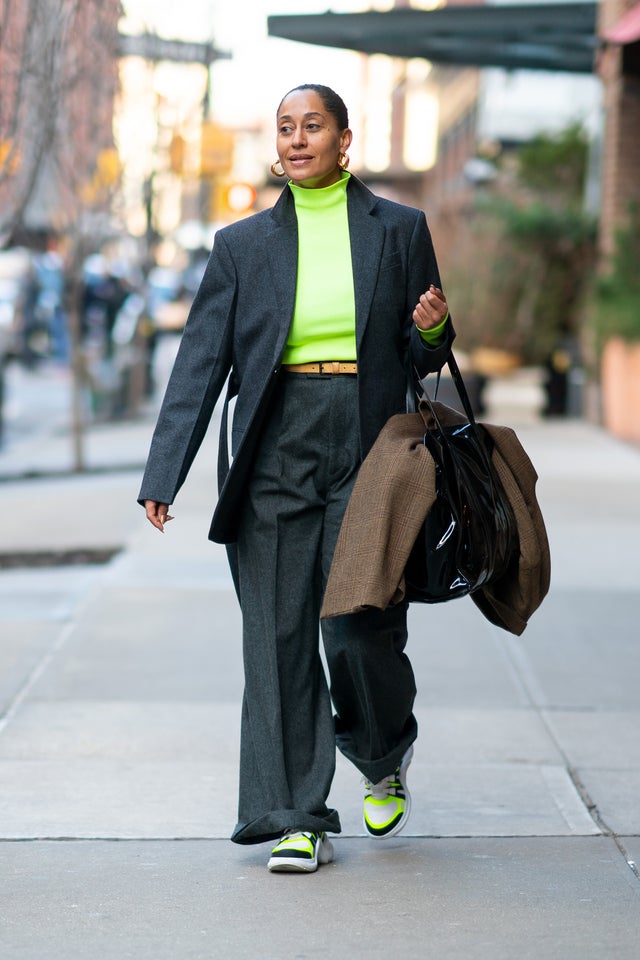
{"x":151,"y":47}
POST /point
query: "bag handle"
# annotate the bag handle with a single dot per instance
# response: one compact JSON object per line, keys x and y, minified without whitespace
{"x":456,"y":376}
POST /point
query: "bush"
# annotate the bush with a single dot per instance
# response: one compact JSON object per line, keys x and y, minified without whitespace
{"x":521,"y":279}
{"x":618,"y":289}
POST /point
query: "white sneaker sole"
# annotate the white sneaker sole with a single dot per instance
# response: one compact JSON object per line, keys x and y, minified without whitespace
{"x":324,"y":854}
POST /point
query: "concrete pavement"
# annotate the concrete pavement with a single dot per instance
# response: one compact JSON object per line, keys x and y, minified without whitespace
{"x":120,"y":689}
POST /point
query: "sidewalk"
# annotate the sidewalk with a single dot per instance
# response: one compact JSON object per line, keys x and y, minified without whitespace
{"x":120,"y":691}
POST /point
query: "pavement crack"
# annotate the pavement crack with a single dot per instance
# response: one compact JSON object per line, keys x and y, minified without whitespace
{"x":602,"y":825}
{"x":587,"y":800}
{"x":37,"y":671}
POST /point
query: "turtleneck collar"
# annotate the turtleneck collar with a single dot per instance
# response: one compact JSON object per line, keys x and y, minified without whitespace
{"x":315,"y":198}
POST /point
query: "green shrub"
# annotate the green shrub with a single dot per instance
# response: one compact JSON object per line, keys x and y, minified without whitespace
{"x":618,"y":289}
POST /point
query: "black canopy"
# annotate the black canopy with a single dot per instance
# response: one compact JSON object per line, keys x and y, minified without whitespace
{"x":545,"y":36}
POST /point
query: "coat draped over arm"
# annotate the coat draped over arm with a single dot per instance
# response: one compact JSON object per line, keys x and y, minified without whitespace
{"x":393,"y":493}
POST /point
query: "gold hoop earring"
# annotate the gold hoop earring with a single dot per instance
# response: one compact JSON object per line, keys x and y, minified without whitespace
{"x":343,"y":160}
{"x":275,"y":172}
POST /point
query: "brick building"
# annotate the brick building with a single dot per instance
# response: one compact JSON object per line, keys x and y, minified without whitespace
{"x":619,"y":68}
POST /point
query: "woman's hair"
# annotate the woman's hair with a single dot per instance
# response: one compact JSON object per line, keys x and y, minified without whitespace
{"x":333,"y":103}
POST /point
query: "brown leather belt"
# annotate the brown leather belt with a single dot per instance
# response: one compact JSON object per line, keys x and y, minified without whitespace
{"x":324,"y":366}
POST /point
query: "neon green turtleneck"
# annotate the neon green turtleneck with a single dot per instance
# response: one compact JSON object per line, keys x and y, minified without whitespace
{"x":323,"y":325}
{"x":324,"y":317}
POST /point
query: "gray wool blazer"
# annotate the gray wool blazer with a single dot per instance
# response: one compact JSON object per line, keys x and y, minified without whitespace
{"x":238,"y":326}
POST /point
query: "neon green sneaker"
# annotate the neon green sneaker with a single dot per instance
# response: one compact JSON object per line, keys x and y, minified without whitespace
{"x":299,"y":852}
{"x":387,"y":804}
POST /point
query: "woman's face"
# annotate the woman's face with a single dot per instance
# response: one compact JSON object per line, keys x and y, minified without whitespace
{"x":309,"y":140}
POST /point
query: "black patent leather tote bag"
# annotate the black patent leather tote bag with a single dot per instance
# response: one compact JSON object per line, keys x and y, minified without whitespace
{"x":470,"y":535}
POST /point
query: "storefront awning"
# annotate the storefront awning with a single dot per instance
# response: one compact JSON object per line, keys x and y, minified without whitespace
{"x":545,"y":36}
{"x":627,"y":29}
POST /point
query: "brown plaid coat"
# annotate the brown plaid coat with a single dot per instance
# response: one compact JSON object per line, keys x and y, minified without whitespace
{"x":393,"y":493}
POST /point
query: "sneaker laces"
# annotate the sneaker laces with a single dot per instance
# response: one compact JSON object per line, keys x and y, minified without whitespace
{"x":385,"y":788}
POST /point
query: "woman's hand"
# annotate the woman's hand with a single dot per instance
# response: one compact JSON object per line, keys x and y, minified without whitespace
{"x":431,"y":309}
{"x":157,"y":514}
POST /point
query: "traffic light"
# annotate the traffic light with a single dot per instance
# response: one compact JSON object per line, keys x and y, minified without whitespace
{"x":9,"y":157}
{"x":240,"y":197}
{"x":176,"y":154}
{"x":230,"y":200}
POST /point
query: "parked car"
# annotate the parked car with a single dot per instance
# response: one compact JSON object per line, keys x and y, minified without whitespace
{"x":16,"y":277}
{"x":15,"y":268}
{"x":32,"y":318}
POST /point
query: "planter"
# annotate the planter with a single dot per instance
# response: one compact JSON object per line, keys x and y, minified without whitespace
{"x":620,"y":376}
{"x":493,"y":362}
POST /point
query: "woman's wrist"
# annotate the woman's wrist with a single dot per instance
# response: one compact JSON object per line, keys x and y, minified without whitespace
{"x":433,"y":334}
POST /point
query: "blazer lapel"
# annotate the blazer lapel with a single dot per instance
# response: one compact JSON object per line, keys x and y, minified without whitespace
{"x":367,"y":238}
{"x":282,"y":254}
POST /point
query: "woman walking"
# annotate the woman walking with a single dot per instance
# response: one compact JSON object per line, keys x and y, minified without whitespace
{"x":319,"y":311}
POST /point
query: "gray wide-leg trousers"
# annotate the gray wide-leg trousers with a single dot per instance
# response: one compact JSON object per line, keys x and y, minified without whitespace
{"x":303,"y":474}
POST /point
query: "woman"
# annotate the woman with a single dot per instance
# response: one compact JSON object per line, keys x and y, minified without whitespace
{"x":318,"y":310}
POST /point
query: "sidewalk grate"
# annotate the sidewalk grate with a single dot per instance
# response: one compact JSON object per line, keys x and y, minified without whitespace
{"x":77,"y":556}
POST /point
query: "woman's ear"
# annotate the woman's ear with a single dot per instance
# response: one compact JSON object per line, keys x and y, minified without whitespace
{"x":345,"y":140}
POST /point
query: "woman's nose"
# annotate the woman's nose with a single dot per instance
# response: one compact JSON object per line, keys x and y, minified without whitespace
{"x":299,"y":138}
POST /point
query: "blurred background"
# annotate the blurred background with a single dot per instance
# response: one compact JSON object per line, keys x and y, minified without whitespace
{"x":130,"y":131}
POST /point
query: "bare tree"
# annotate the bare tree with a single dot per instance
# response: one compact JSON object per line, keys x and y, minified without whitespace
{"x":30,"y":81}
{"x":58,"y":77}
{"x":57,"y":81}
